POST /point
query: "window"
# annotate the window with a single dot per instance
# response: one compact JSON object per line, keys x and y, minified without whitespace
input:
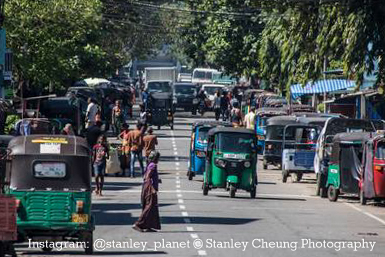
{"x":380,"y":152}
{"x":49,"y":170}
{"x":235,"y":143}
{"x":185,"y":90}
{"x":159,"y":87}
{"x":202,"y":136}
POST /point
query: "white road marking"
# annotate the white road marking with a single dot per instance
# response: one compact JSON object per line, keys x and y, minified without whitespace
{"x":202,"y":253}
{"x":177,"y":186}
{"x":177,"y":164}
{"x":175,"y":153}
{"x":182,"y":207}
{"x":177,"y":168}
{"x":194,"y":236}
{"x":177,"y":181}
{"x":177,"y":177}
{"x":190,"y":228}
{"x":366,"y":213}
{"x":185,"y":214}
{"x":179,"y":195}
{"x":177,"y":172}
{"x":176,"y":158}
{"x":187,"y":220}
{"x":180,"y":201}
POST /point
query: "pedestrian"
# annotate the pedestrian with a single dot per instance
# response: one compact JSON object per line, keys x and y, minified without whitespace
{"x":149,"y":220}
{"x":125,"y":149}
{"x":150,"y":141}
{"x":236,"y":115}
{"x":93,"y":133}
{"x":143,"y":114}
{"x":135,"y":142}
{"x":92,"y":110}
{"x":144,"y":97}
{"x":117,"y":118}
{"x":99,"y":160}
{"x":250,"y":119}
{"x":217,"y":105}
{"x":68,"y":130}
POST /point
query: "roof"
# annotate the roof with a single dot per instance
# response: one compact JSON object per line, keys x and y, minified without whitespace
{"x":230,"y":130}
{"x":316,"y":114}
{"x":213,"y":85}
{"x":161,"y":96}
{"x":321,"y":86}
{"x":205,"y":69}
{"x":185,"y":84}
{"x":210,"y":123}
{"x":353,"y":137}
{"x":271,"y":110}
{"x":281,"y":120}
{"x":33,"y":145}
{"x":308,"y":120}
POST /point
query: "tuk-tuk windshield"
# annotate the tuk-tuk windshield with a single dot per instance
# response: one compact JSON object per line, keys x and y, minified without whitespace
{"x":380,"y":151}
{"x":185,"y":89}
{"x":235,"y":143}
{"x":202,"y":135}
{"x":275,"y":132}
{"x":159,"y":87}
{"x":160,"y":104}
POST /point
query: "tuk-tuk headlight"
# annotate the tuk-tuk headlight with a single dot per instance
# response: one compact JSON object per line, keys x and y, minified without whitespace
{"x":79,"y":206}
{"x":220,"y":163}
{"x":247,"y":164}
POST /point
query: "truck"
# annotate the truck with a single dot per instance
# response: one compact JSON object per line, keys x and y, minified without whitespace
{"x":160,"y":74}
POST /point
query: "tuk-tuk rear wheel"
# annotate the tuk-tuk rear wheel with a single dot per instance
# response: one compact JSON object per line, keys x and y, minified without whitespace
{"x":362,"y":197}
{"x":205,"y":190}
{"x":88,"y":238}
{"x":297,"y":176}
{"x":285,"y":174}
{"x":232,"y":191}
{"x":190,"y":175}
{"x":265,"y":165}
{"x":253,"y":192}
{"x":333,"y":193}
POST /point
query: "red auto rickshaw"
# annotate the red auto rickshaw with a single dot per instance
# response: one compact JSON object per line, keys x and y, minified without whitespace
{"x":372,"y":181}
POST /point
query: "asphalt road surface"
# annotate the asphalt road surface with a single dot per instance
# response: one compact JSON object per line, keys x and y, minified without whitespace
{"x":283,"y":220}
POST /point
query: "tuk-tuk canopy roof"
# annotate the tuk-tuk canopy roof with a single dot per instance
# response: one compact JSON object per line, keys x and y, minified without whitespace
{"x":271,"y":111}
{"x":161,"y":96}
{"x":341,"y":125}
{"x":210,"y":123}
{"x":49,"y":144}
{"x":316,"y":114}
{"x":281,"y":120}
{"x":230,"y":130}
{"x":320,"y":121}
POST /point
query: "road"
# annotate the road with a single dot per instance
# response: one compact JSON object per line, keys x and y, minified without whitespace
{"x":284,"y":219}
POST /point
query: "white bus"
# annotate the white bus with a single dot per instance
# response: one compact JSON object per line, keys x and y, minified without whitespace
{"x":201,"y":75}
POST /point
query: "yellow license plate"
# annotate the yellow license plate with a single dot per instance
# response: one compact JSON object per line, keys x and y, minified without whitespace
{"x":80,"y":218}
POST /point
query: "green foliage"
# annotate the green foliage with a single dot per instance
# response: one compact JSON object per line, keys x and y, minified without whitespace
{"x":10,"y":123}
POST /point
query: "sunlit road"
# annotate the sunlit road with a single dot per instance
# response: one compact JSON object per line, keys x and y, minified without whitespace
{"x":284,"y":219}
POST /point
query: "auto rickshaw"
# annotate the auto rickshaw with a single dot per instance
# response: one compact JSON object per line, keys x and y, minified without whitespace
{"x":372,"y":181}
{"x":160,"y":110}
{"x":298,"y":152}
{"x":344,"y":169}
{"x":50,"y":176}
{"x":231,"y":161}
{"x":262,"y":114}
{"x":199,"y":144}
{"x":272,"y":153}
{"x":332,"y":127}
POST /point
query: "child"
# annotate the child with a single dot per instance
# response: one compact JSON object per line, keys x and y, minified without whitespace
{"x":99,"y":160}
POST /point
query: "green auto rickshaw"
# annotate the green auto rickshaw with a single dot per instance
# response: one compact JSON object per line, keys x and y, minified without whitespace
{"x":50,"y":177}
{"x":231,"y":160}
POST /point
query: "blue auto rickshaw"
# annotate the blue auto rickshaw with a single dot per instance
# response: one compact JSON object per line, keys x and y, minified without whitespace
{"x":262,"y":114}
{"x":198,"y":145}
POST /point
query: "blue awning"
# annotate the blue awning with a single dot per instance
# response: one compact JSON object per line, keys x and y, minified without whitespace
{"x":321,"y":86}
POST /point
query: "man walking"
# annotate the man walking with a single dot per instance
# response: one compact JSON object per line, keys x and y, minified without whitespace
{"x":92,"y":110}
{"x":250,"y":119}
{"x":135,"y":143}
{"x":150,"y":141}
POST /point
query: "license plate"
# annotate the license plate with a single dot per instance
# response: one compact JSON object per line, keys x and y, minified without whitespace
{"x":233,"y":165}
{"x":80,"y":218}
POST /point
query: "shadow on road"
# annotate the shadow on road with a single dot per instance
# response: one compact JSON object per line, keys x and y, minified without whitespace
{"x":119,"y":185}
{"x":172,"y":158}
{"x":208,"y":220}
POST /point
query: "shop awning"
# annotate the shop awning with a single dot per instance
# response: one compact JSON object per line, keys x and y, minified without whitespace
{"x":320,"y":87}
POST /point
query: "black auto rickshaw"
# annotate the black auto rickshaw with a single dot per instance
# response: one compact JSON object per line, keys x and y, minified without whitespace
{"x":275,"y":126}
{"x":50,"y":176}
{"x":160,"y":110}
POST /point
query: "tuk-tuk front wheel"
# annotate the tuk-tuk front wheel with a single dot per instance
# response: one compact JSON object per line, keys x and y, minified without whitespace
{"x":253,"y":192}
{"x":158,"y":127}
{"x":285,"y":174}
{"x":232,"y":191}
{"x":362,"y":197}
{"x":88,"y":239}
{"x":205,"y":190}
{"x":333,"y":193}
{"x":297,"y":176}
{"x":265,"y":166}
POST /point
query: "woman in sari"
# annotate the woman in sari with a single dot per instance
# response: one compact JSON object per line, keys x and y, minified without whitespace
{"x":149,"y":220}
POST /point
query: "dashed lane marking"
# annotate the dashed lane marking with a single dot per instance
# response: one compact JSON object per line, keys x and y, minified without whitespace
{"x":202,"y":253}
{"x":185,"y":214}
{"x":194,"y":236}
{"x":182,"y":207}
{"x":366,"y":213}
{"x":190,"y":229}
{"x":181,"y":201}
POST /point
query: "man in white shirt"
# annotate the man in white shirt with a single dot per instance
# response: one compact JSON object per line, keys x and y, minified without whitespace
{"x":92,"y":110}
{"x":250,"y":119}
